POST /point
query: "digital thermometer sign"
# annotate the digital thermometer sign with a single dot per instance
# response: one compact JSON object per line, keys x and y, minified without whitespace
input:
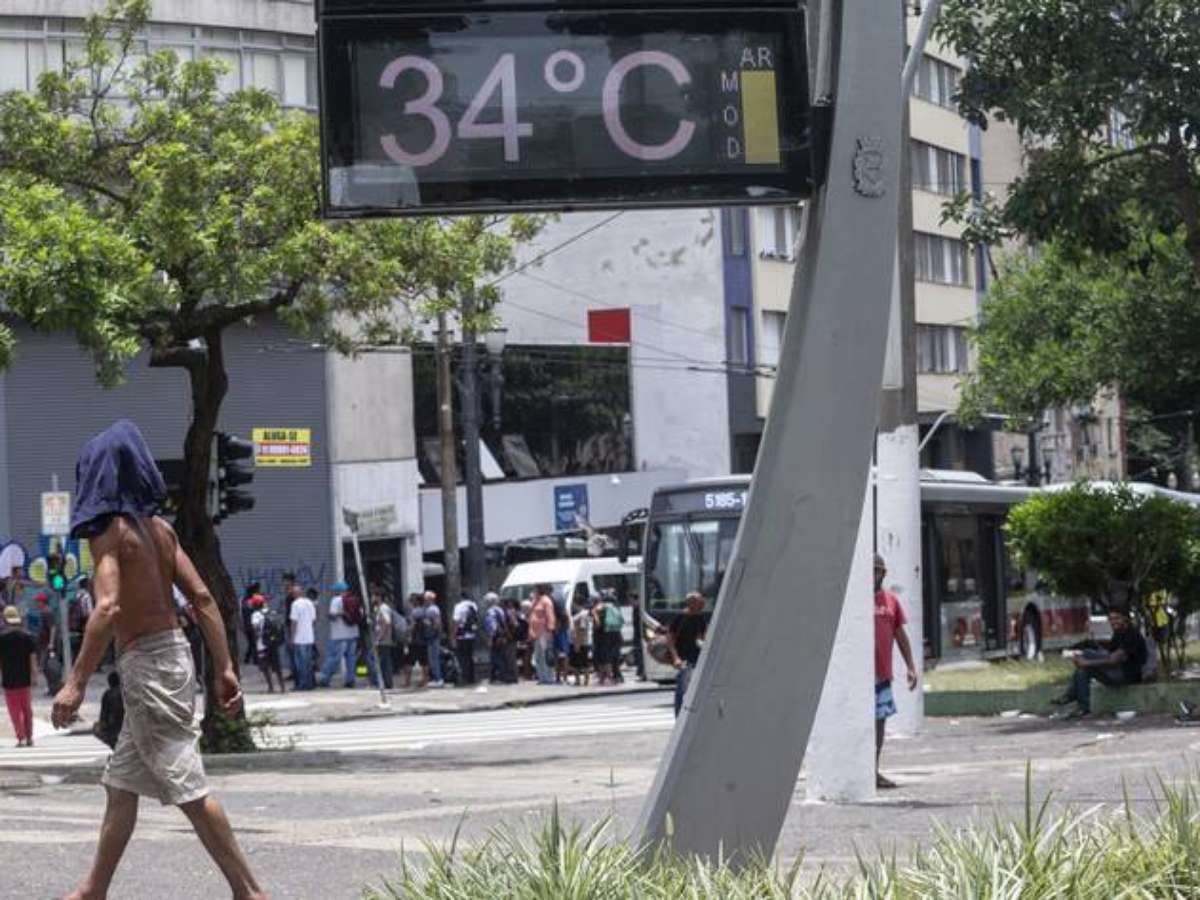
{"x":435,"y":111}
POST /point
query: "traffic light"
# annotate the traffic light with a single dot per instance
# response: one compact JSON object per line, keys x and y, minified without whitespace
{"x":233,"y":471}
{"x":172,"y":473}
{"x":55,"y":576}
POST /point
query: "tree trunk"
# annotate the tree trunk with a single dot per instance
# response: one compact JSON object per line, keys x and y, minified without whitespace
{"x":194,"y":525}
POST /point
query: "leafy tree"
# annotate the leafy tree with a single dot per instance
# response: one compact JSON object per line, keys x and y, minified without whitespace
{"x":1116,"y":547}
{"x":1058,"y":326}
{"x":143,"y":211}
{"x":1104,"y":95}
{"x":1065,"y":73}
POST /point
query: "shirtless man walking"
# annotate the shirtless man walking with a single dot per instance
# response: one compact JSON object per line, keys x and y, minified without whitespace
{"x":138,"y":559}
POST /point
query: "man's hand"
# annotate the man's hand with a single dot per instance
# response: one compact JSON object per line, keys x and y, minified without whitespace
{"x":229,"y":692}
{"x":678,"y":664}
{"x":66,"y":705}
{"x":912,"y":679}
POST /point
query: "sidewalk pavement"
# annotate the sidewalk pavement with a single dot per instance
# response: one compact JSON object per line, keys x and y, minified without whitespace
{"x":335,"y":704}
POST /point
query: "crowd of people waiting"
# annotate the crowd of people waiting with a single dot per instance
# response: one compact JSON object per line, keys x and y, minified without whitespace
{"x":421,"y":643}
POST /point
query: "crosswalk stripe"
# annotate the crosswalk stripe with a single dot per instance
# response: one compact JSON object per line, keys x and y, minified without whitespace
{"x":396,"y":732}
{"x":348,"y":730}
{"x":400,"y":740}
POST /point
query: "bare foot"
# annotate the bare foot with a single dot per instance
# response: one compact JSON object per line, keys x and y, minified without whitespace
{"x":83,"y":893}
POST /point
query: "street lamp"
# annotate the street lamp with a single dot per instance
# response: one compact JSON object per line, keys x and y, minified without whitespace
{"x":495,"y":341}
{"x":1018,"y":461}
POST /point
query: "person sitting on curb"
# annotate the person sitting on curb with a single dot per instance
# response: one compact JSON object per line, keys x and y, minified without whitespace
{"x":1119,"y":662}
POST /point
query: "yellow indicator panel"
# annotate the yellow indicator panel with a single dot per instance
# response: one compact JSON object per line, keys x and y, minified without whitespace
{"x":760,"y":113}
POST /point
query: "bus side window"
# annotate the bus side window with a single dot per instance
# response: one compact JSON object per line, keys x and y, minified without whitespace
{"x":581,"y":596}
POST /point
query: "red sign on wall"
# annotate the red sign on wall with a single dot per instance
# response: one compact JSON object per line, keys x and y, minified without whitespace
{"x":609,"y":326}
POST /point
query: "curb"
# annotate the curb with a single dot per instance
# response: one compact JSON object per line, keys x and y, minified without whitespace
{"x":424,"y":709}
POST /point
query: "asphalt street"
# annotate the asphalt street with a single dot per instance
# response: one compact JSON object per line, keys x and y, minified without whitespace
{"x":322,"y":820}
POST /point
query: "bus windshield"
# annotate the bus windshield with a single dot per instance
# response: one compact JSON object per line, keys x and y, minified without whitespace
{"x":687,"y":555}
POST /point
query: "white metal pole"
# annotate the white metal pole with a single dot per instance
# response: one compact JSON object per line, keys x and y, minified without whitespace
{"x":371,"y":636}
{"x":729,"y":772}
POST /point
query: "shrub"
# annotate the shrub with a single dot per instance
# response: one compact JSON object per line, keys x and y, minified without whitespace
{"x":1100,"y":854}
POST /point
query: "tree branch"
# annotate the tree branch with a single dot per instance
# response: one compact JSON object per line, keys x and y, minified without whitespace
{"x":218,"y":317}
{"x":1139,"y":150}
{"x":176,"y":357}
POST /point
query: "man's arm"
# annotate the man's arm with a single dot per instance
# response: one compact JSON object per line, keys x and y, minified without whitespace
{"x":99,"y":630}
{"x":906,"y":652}
{"x":208,"y":617}
{"x":676,"y":660}
{"x":1114,"y":658}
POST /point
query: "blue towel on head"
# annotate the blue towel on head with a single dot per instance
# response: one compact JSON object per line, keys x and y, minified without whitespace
{"x":116,"y":476}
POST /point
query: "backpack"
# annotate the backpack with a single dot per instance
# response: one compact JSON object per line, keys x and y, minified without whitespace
{"x":272,"y":629}
{"x":76,"y":620}
{"x":352,"y":610}
{"x":614,"y":621}
{"x":469,"y":625}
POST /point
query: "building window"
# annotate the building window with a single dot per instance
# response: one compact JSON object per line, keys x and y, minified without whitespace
{"x":285,"y":65}
{"x":937,"y":170}
{"x":941,"y":350}
{"x":936,"y":82}
{"x":1119,"y":134}
{"x":777,"y":227}
{"x":941,"y":259}
{"x":772,"y":338}
{"x":736,"y":236}
{"x":739,"y":336}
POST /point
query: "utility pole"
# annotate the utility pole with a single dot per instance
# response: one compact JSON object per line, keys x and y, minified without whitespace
{"x":476,"y":562}
{"x":445,"y":391}
{"x":897,"y":444}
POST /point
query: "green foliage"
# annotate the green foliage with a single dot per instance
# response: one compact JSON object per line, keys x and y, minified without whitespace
{"x":1048,"y":854}
{"x":225,"y":734}
{"x":1112,"y":545}
{"x":1058,"y":326}
{"x":1114,"y":299}
{"x":1061,"y":71}
{"x":141,"y":209}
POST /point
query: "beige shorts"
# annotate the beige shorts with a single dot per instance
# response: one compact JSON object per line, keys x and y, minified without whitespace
{"x":156,"y":753}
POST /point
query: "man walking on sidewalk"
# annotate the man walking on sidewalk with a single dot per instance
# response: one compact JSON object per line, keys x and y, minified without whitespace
{"x":138,"y":558}
{"x":343,"y":639}
{"x":889,"y":628}
{"x":18,"y":674}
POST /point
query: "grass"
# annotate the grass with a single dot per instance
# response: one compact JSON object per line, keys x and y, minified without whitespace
{"x":1001,"y":675}
{"x":1100,"y":854}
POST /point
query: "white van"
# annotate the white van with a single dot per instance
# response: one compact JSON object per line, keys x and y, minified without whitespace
{"x":578,"y":579}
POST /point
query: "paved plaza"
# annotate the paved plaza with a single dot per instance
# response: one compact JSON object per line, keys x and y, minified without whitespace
{"x":333,"y":814}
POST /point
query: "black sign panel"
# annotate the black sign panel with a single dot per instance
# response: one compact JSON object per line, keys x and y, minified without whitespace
{"x":562,"y":109}
{"x":717,"y":500}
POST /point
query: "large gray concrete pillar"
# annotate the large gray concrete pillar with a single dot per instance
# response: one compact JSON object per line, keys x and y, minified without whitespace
{"x":730,"y":768}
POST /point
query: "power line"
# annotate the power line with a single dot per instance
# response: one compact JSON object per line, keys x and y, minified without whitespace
{"x":541,"y":257}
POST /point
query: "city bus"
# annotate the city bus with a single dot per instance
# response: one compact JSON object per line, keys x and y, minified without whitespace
{"x":976,"y":602}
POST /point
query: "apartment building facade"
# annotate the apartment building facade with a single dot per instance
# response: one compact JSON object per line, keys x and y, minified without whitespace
{"x":948,"y":156}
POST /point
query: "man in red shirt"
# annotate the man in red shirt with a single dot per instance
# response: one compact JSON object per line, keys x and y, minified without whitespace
{"x":889,"y":628}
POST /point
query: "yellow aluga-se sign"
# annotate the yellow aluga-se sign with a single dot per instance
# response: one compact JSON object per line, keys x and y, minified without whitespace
{"x":285,"y":447}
